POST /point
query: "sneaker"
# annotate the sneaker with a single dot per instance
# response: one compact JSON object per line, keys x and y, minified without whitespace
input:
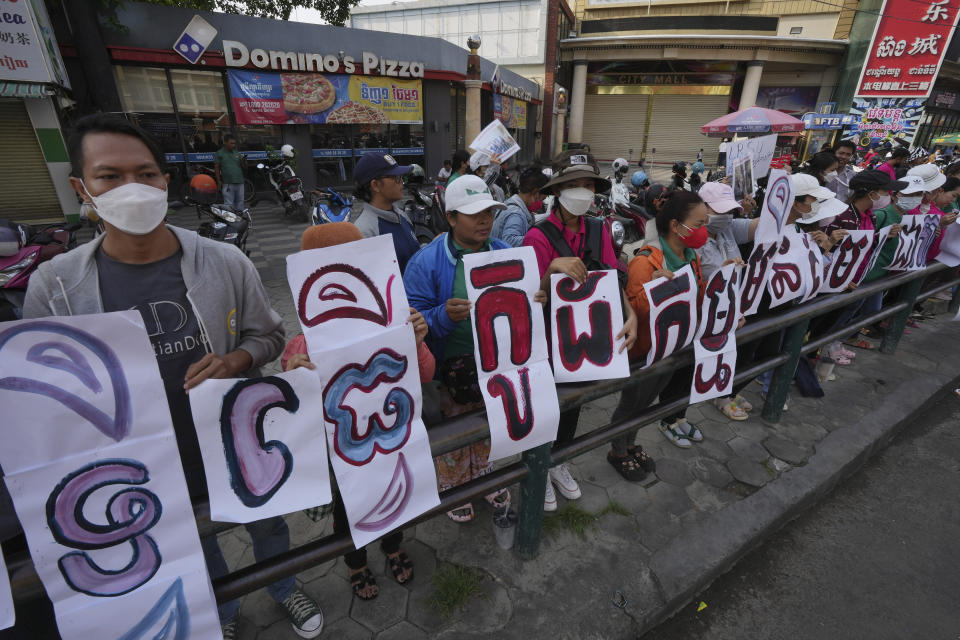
{"x":560,"y":475}
{"x":230,"y":630}
{"x":549,"y":498}
{"x":674,"y":435}
{"x":689,"y":431}
{"x":305,"y":614}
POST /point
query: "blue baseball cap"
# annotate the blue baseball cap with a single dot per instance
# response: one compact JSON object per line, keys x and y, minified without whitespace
{"x":377,"y":165}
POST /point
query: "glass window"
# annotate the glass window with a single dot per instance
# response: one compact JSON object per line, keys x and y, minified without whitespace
{"x":332,"y":153}
{"x":203,"y":111}
{"x":432,"y":23}
{"x":371,"y":137}
{"x":451,"y":24}
{"x":144,"y":89}
{"x":413,"y":23}
{"x":530,"y":12}
{"x":407,"y":140}
{"x":509,"y":44}
{"x":469,"y":21}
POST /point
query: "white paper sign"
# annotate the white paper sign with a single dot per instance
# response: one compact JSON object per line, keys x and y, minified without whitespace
{"x":776,"y":208}
{"x":94,"y":472}
{"x":880,"y":240}
{"x":510,"y":347}
{"x":849,"y":255}
{"x":918,"y":233}
{"x":7,"y":614}
{"x":378,"y":444}
{"x":347,"y":292}
{"x":754,"y":276}
{"x":790,"y":274}
{"x":673,"y":313}
{"x":263,"y":445}
{"x":741,"y":180}
{"x":950,"y":246}
{"x":585,"y":320}
{"x":715,"y":346}
{"x":760,"y":150}
{"x":495,"y":140}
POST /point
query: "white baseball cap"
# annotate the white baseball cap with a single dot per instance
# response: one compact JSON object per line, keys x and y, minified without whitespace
{"x":805,"y":184}
{"x":915,"y":184}
{"x":479,"y":159}
{"x":470,"y":195}
{"x":826,"y":208}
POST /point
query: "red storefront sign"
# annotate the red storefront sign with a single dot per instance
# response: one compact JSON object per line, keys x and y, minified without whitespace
{"x":907,"y":49}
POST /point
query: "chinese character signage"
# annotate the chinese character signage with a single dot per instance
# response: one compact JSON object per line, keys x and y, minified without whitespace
{"x":908,"y":46}
{"x":316,"y":98}
{"x":28,"y":50}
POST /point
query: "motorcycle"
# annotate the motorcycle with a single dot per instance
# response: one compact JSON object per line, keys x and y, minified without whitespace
{"x":604,"y":209}
{"x":287,"y":186}
{"x":330,"y":206}
{"x":426,"y":215}
{"x":225,"y":225}
{"x":18,"y":261}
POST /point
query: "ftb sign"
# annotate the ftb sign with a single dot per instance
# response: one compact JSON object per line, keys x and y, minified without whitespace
{"x":195,"y":39}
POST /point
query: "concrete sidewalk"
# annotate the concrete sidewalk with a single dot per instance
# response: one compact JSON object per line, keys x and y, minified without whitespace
{"x":658,"y":542}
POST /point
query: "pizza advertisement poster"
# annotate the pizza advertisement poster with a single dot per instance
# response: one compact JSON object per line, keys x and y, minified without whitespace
{"x":378,"y":100}
{"x":316,"y":98}
{"x":512,"y":113}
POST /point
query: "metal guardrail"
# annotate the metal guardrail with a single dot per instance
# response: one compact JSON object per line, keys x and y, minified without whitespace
{"x":531,"y":470}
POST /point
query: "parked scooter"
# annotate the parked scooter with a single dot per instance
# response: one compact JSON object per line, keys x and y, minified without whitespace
{"x":330,"y":206}
{"x":224,"y":224}
{"x":287,"y":186}
{"x":22,"y":249}
{"x":424,"y":210}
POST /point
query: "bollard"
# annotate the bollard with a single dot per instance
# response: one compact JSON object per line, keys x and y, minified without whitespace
{"x":532,"y":490}
{"x":896,"y":325}
{"x":783,"y":375}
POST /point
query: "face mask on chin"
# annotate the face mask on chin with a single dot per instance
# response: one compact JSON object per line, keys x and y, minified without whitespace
{"x":576,"y":201}
{"x":133,"y":208}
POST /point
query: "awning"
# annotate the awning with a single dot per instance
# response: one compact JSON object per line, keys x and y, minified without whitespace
{"x":24,"y":90}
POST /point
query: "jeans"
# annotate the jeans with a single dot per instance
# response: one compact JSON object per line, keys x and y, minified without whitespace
{"x":233,"y":196}
{"x":270,"y":537}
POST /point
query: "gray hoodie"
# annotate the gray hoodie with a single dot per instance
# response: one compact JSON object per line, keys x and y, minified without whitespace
{"x":223,"y":287}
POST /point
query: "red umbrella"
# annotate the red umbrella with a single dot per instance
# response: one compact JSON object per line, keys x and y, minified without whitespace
{"x":753,"y":120}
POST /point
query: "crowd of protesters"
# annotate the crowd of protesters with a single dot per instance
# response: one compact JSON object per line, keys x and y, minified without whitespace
{"x":695,"y":222}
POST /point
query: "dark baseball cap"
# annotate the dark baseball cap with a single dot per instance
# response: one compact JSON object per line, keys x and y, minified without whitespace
{"x":377,"y":165}
{"x":872,"y":179}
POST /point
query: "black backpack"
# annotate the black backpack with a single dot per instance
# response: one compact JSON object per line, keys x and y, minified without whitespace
{"x":592,"y":248}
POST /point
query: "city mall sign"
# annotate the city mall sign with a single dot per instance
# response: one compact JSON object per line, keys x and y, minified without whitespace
{"x":236,"y":54}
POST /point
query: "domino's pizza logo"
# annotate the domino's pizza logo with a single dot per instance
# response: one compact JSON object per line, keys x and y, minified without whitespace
{"x":195,"y":39}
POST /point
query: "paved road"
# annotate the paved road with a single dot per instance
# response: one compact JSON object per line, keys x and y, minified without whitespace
{"x":876,"y":559}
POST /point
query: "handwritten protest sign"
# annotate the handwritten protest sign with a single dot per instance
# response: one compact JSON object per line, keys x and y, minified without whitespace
{"x":790,"y":274}
{"x":673,"y":313}
{"x":880,"y":240}
{"x":760,"y":151}
{"x":715,"y":346}
{"x":918,"y":233}
{"x":510,"y":347}
{"x":849,"y":256}
{"x":353,"y":310}
{"x":776,"y":208}
{"x":263,"y":445}
{"x":950,"y":246}
{"x":93,"y":468}
{"x":585,"y":320}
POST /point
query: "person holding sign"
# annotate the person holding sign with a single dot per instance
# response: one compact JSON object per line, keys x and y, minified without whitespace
{"x":202,"y":303}
{"x":933,"y":189}
{"x":571,"y":243}
{"x":436,"y":287}
{"x":681,"y":229}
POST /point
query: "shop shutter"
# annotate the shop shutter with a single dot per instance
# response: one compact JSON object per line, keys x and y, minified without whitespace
{"x":28,"y":193}
{"x":612,"y":125}
{"x":675,"y":128}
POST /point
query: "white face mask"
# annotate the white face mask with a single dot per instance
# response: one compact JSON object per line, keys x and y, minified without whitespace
{"x":909,"y":203}
{"x":717,"y":223}
{"x":925,"y":207}
{"x":830,"y":176}
{"x":814,"y":207}
{"x":881,"y":202}
{"x":133,"y":208}
{"x":577,"y":200}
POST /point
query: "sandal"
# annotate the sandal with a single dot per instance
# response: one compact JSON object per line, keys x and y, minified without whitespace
{"x":858,"y":343}
{"x":731,"y":409}
{"x":743,"y":403}
{"x":361,"y":580}
{"x":461,"y":514}
{"x":846,"y":353}
{"x":628,"y":467}
{"x":646,"y":462}
{"x":499,"y":499}
{"x":398,"y":564}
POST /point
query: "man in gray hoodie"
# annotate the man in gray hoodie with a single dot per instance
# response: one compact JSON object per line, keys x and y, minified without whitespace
{"x":202,"y":302}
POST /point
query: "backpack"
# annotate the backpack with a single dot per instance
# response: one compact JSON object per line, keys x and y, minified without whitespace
{"x":592,"y":246}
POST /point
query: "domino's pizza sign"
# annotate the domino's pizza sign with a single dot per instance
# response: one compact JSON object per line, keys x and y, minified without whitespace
{"x":195,"y":39}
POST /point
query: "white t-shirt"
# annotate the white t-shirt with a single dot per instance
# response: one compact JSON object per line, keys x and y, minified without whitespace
{"x":444,"y":174}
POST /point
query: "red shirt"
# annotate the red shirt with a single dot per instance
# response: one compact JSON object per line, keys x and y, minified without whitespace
{"x":546,"y":253}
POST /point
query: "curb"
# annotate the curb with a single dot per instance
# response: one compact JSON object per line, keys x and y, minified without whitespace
{"x":706,"y":550}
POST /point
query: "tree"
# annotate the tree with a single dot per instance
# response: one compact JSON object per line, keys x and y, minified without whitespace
{"x":335,"y":12}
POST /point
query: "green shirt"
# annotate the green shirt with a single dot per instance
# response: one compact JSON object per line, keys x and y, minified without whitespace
{"x":229,"y":162}
{"x":460,"y":340}
{"x":882,"y":218}
{"x":453,"y":176}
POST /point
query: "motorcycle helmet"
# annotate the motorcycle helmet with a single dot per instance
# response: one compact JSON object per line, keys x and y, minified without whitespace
{"x":620,"y":165}
{"x":639,"y":179}
{"x":287,"y":151}
{"x":203,"y":189}
{"x":416,"y":175}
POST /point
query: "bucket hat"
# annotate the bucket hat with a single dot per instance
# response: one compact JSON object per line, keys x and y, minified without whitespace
{"x":575,"y":164}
